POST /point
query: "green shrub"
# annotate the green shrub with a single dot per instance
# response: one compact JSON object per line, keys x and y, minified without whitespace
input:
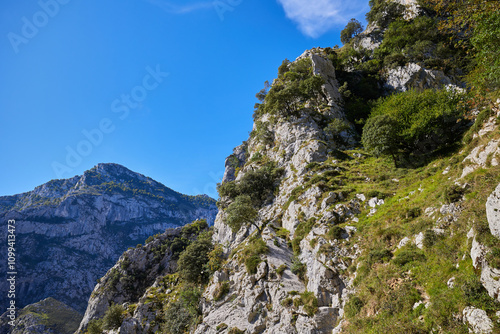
{"x":235,"y":330}
{"x":310,"y":303}
{"x":453,"y":193}
{"x":379,"y":256}
{"x":407,"y":255}
{"x":485,"y":40}
{"x":352,"y":29}
{"x":353,"y":306}
{"x":414,"y":123}
{"x":221,"y":289}
{"x":95,"y":326}
{"x":220,"y":327}
{"x":287,"y":302}
{"x":430,"y":238}
{"x":113,"y":317}
{"x":298,"y":268}
{"x":241,"y":212}
{"x":335,"y":232}
{"x":193,"y":261}
{"x":181,"y":314}
{"x":383,"y":12}
{"x":281,"y":269}
{"x":250,"y":254}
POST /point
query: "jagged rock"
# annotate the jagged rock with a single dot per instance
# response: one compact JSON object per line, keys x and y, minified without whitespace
{"x":143,"y":262}
{"x":374,"y":202}
{"x":404,"y":242}
{"x":46,"y":316}
{"x":235,"y":160}
{"x":419,"y":240}
{"x":412,"y":75}
{"x":478,"y":320}
{"x":492,"y":212}
{"x":451,"y":283}
{"x":478,"y":157}
{"x":70,"y":232}
{"x":490,"y":277}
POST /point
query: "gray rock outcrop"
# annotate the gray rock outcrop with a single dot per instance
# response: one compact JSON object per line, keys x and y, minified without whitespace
{"x":70,"y":232}
{"x":478,"y":320}
{"x":414,"y":76}
{"x":492,"y":212}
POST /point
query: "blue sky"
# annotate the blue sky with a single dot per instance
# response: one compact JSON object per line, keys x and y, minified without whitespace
{"x":165,"y":88}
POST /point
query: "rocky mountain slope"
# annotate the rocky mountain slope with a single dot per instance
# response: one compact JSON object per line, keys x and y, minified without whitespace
{"x":316,"y":233}
{"x":70,"y":232}
{"x":46,"y":316}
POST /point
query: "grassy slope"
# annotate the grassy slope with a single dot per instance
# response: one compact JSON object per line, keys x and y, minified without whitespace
{"x":390,"y":281}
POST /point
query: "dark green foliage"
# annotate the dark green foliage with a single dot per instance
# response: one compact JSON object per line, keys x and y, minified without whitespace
{"x":353,"y":306}
{"x":453,"y":193}
{"x":414,"y":125}
{"x":379,"y":255}
{"x":407,"y":255}
{"x":485,"y":41}
{"x":113,"y":317}
{"x":335,"y":232}
{"x":383,"y":12}
{"x":298,"y":268}
{"x":95,"y":326}
{"x":193,"y":261}
{"x":182,"y":314}
{"x":411,"y":213}
{"x":301,"y":231}
{"x":352,"y":28}
{"x":379,"y":135}
{"x":336,"y":127}
{"x":310,"y":302}
{"x":250,"y":255}
{"x":262,"y":132}
{"x":241,"y":212}
{"x":430,"y":238}
{"x":281,"y":269}
{"x":294,"y":86}
{"x":259,"y":184}
{"x":221,"y":290}
{"x":493,"y":257}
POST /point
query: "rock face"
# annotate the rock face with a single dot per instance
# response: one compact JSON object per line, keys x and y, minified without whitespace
{"x":69,"y":232}
{"x":412,"y":75}
{"x":46,"y":316}
{"x":490,"y":277}
{"x":257,"y":302}
{"x":478,"y":320}
{"x":492,"y":212}
{"x":126,"y":282}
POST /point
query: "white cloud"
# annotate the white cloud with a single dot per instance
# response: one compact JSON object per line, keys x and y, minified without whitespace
{"x":180,"y":9}
{"x":315,"y":17}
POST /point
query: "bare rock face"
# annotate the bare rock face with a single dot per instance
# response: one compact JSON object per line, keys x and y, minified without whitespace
{"x":477,"y":320}
{"x":70,"y":232}
{"x":262,"y":302}
{"x":492,"y":212}
{"x":46,"y":316}
{"x":127,"y":281}
{"x":412,"y":75}
{"x":490,"y":277}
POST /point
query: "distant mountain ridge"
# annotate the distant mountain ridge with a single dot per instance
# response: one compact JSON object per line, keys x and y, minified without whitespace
{"x":69,"y":232}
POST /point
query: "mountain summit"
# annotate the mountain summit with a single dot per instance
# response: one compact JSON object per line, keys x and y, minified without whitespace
{"x":69,"y":232}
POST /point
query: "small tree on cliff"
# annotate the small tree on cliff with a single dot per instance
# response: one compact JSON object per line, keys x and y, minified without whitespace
{"x":352,"y":28}
{"x":241,"y":212}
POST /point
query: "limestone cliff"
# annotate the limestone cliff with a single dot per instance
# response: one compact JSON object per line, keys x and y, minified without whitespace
{"x":70,"y":232}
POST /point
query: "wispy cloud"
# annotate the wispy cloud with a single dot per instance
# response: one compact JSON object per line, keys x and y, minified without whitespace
{"x":315,"y":17}
{"x":180,"y":9}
